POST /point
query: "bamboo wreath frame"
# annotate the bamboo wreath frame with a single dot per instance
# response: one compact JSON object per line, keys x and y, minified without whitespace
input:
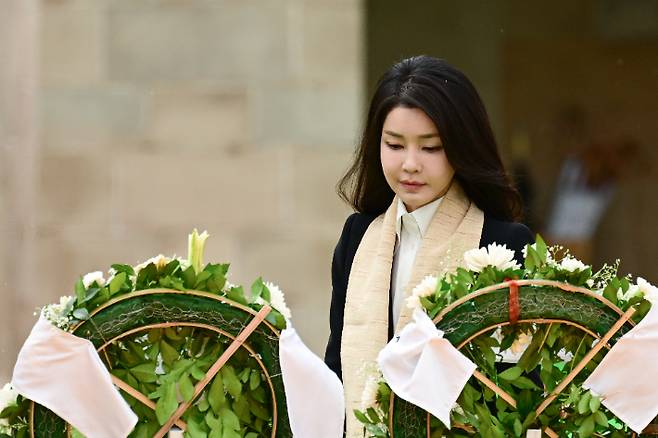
{"x":624,"y":318}
{"x":238,"y":342}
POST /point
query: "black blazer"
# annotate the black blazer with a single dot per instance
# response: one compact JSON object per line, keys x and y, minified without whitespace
{"x":514,"y":235}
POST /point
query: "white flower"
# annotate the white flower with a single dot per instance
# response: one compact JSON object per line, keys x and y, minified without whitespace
{"x":565,"y":355}
{"x":195,"y":245}
{"x":111,"y":273}
{"x":620,"y":294}
{"x":647,"y":289}
{"x":521,"y":343}
{"x":572,"y":264}
{"x":524,"y":251}
{"x":633,"y":291}
{"x":412,"y":302}
{"x":93,"y":277}
{"x":8,"y":396}
{"x":457,"y":409}
{"x":184,"y":263}
{"x":494,"y":255}
{"x":4,"y":426}
{"x":58,"y":314}
{"x":425,"y":288}
{"x":590,"y":283}
{"x":159,"y":261}
{"x":369,"y":394}
{"x":549,"y":256}
{"x":277,"y":299}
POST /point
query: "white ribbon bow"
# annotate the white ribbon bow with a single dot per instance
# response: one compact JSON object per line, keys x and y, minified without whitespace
{"x":626,"y":377}
{"x":314,"y":394}
{"x":425,"y":369}
{"x":64,"y":373}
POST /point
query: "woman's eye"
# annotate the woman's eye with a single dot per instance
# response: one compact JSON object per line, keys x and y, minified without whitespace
{"x":394,"y":146}
{"x":433,"y":148}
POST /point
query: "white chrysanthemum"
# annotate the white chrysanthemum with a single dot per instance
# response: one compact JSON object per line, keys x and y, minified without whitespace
{"x":8,"y":396}
{"x":521,"y":343}
{"x":497,"y":256}
{"x":647,"y":289}
{"x":572,"y":264}
{"x":412,"y":302}
{"x":425,"y":288}
{"x":476,"y":259}
{"x":277,"y":299}
{"x":160,"y":261}
{"x":93,"y":277}
{"x":369,"y":394}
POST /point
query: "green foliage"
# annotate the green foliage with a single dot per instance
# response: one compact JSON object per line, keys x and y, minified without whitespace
{"x":166,"y":364}
{"x":375,"y":419}
{"x":174,"y":276}
{"x":551,"y":354}
{"x":16,"y":416}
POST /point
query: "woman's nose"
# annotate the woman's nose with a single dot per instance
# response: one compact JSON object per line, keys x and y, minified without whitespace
{"x":411,"y":163}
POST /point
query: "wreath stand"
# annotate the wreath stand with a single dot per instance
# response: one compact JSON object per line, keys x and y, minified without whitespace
{"x":137,"y":313}
{"x":514,"y":302}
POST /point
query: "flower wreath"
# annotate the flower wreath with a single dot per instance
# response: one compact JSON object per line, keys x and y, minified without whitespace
{"x":541,"y":355}
{"x":165,"y":363}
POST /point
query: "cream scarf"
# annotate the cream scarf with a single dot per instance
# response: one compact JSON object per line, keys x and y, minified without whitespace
{"x":455,"y":228}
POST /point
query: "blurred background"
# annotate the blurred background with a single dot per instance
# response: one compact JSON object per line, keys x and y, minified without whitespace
{"x":126,"y":123}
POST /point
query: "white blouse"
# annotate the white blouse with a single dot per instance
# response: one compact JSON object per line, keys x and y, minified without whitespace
{"x":410,"y":229}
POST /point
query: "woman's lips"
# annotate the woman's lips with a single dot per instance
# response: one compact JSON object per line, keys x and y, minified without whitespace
{"x":411,"y":186}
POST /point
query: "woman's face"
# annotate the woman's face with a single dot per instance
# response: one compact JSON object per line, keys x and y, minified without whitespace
{"x":414,"y":162}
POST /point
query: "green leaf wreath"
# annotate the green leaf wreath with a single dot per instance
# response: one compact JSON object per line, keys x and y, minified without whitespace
{"x":544,"y":354}
{"x":166,"y":363}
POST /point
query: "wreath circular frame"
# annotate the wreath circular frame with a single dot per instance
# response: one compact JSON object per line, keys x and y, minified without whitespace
{"x":156,"y":307}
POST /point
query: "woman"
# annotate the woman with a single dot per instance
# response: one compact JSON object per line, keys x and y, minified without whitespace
{"x":427,"y":184}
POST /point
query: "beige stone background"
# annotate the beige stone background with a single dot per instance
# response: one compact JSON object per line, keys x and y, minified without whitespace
{"x":126,"y":123}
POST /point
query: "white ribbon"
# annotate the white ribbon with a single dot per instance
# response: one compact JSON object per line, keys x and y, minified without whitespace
{"x":314,"y":394}
{"x":425,"y":369}
{"x":626,"y":377}
{"x":64,"y":373}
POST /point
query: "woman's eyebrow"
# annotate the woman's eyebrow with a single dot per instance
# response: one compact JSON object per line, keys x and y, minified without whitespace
{"x":395,"y":134}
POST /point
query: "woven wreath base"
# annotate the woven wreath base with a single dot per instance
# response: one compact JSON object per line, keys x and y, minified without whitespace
{"x":479,"y":313}
{"x":157,"y":308}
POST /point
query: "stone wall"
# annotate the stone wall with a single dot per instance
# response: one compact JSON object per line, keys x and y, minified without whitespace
{"x":158,"y":116}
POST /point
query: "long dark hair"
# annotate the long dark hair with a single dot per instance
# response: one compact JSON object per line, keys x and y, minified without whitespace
{"x":447,"y":96}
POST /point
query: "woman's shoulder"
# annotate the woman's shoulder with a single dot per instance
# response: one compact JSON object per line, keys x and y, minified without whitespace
{"x":353,"y":230}
{"x":356,"y":225}
{"x":513,"y":234}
